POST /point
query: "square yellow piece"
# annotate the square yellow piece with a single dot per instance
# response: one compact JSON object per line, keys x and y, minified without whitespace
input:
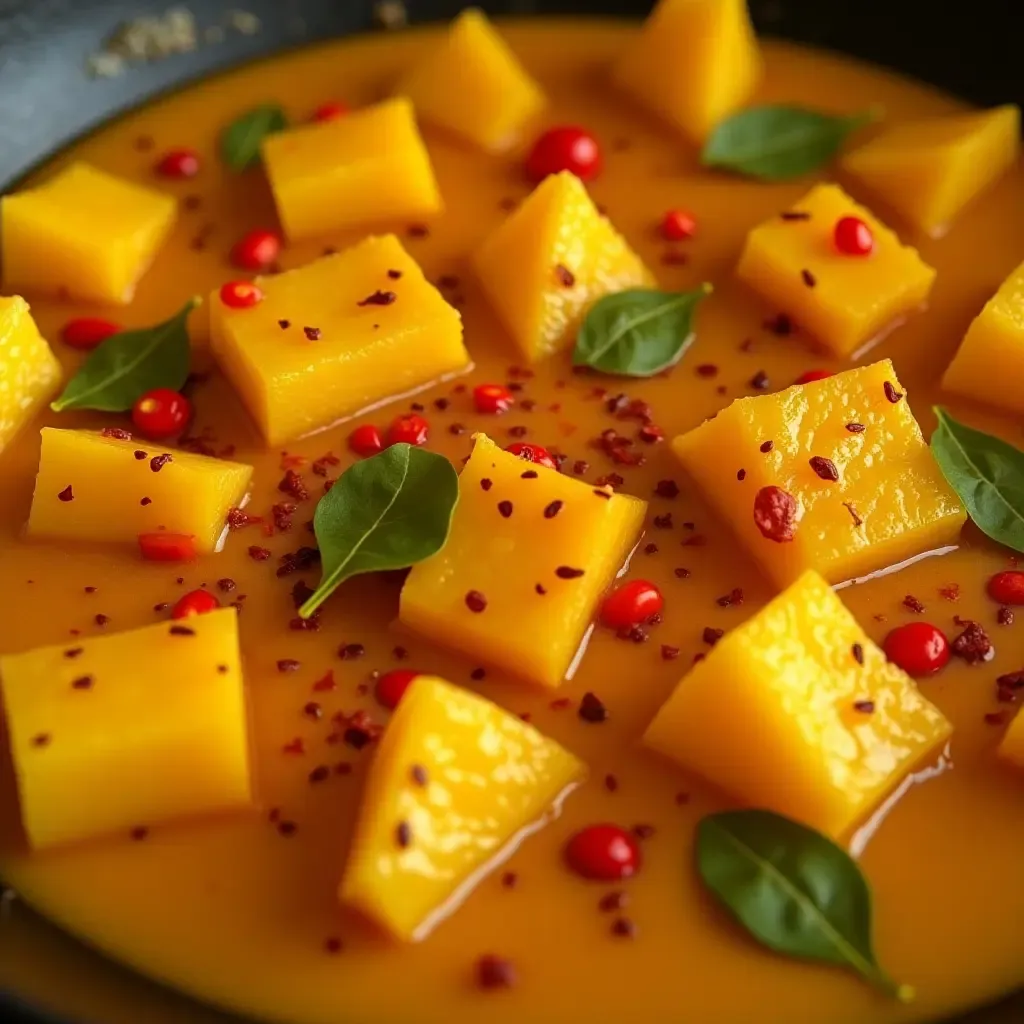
{"x":798,"y":712}
{"x":989,"y":365}
{"x":83,"y":233}
{"x":472,"y":84}
{"x":90,"y":487}
{"x":29,"y":371}
{"x":114,"y":733}
{"x":529,"y":555}
{"x":845,"y":302}
{"x":1011,"y":748}
{"x":368,"y":167}
{"x":336,"y":337}
{"x":841,"y":460}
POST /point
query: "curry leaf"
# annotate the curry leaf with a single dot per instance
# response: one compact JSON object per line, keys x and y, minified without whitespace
{"x":386,"y":512}
{"x":240,"y":141}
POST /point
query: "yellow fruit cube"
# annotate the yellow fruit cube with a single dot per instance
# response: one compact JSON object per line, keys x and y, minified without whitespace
{"x":846,"y":302}
{"x":472,"y":84}
{"x":115,"y":733}
{"x":97,"y":487}
{"x":29,"y":371}
{"x":336,"y":337}
{"x":550,"y":261}
{"x":694,"y":63}
{"x":927,"y":171}
{"x":527,"y":546}
{"x":455,"y":786}
{"x":1011,"y":748}
{"x":83,"y":233}
{"x":989,"y":365}
{"x":797,"y":711}
{"x":838,"y":465}
{"x":368,"y":167}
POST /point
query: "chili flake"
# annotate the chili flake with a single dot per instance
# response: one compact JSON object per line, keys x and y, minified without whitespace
{"x":760,"y":381}
{"x":495,"y":972}
{"x":293,"y":485}
{"x":669,"y":653}
{"x":667,"y":489}
{"x":288,"y":665}
{"x":681,"y":573}
{"x":378,"y":298}
{"x":311,"y":333}
{"x":795,"y":215}
{"x":237,"y":519}
{"x":825,"y":468}
{"x":67,"y":494}
{"x":624,"y":928}
{"x":615,"y":900}
{"x":857,"y":650}
{"x":775,"y":512}
{"x":475,"y":601}
{"x":41,"y":739}
{"x":767,"y":446}
{"x":567,"y":572}
{"x":912,"y":604}
{"x":741,"y":474}
{"x":418,"y":774}
{"x":780,"y":324}
{"x":855,"y":428}
{"x":486,"y":484}
{"x":284,"y":324}
{"x":403,"y":834}
{"x":592,"y":708}
{"x":1004,"y":617}
{"x":320,"y":773}
{"x":973,"y":644}
{"x":505,"y":509}
{"x":808,"y":278}
{"x":181,"y":631}
{"x":509,"y":879}
{"x":565,"y":277}
{"x":116,"y":432}
{"x":74,"y":652}
{"x":735,"y":596}
{"x":477,"y":674}
{"x":82,"y":683}
{"x":540,"y":589}
{"x":712,"y":635}
{"x":159,"y":461}
{"x":139,"y":833}
{"x":864,"y":706}
{"x":611,"y":783}
{"x":552,"y":509}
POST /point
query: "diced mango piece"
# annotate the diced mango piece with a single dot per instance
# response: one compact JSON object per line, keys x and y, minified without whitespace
{"x":368,"y":167}
{"x":989,"y":365}
{"x":928,"y":171}
{"x":360,"y":327}
{"x":527,"y":546}
{"x":550,"y":261}
{"x":126,"y":731}
{"x":472,"y":84}
{"x":455,"y":786}
{"x":1011,"y":748}
{"x":694,"y":63}
{"x":83,"y":233}
{"x":847,"y":450}
{"x":850,"y":300}
{"x":797,"y":711}
{"x":29,"y":371}
{"x":93,"y":487}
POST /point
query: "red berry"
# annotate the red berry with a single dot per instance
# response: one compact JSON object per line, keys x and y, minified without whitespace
{"x":812,"y":375}
{"x":365,"y":440}
{"x":631,"y":604}
{"x":257,"y":250}
{"x":195,"y":602}
{"x":492,"y":398}
{"x":161,"y":412}
{"x":532,"y":453}
{"x":88,"y":331}
{"x":412,"y":429}
{"x":167,"y":547}
{"x":605,"y":853}
{"x":567,"y":148}
{"x":179,"y":163}
{"x":391,"y":686}
{"x":330,"y":111}
{"x":678,"y":225}
{"x":853,"y":237}
{"x":1007,"y":587}
{"x":919,"y":648}
{"x":240,"y":294}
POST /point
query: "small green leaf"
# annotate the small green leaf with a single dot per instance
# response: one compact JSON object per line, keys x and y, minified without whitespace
{"x":775,"y":143}
{"x":240,"y":141}
{"x":124,"y":367}
{"x":639,"y":332}
{"x":386,"y":512}
{"x":793,"y":889}
{"x":987,"y":473}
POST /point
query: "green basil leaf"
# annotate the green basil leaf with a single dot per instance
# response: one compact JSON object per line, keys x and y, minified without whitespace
{"x":793,"y":889}
{"x":240,"y":141}
{"x":386,"y":512}
{"x":123,"y":368}
{"x":987,"y":473}
{"x":776,"y":142}
{"x":638,"y":332}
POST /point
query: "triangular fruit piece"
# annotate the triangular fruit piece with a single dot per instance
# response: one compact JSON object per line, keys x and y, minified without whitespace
{"x":550,"y":261}
{"x":456,"y":784}
{"x":928,"y":170}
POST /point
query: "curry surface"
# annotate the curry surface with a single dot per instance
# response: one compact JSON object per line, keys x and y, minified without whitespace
{"x":232,"y":912}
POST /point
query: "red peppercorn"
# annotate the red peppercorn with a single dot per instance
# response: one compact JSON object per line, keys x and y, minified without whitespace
{"x":605,"y":853}
{"x":240,"y":294}
{"x":365,"y":440}
{"x":532,"y":453}
{"x":412,"y":429}
{"x":812,"y":375}
{"x":919,"y":648}
{"x":257,"y":250}
{"x":492,"y":398}
{"x":631,"y":604}
{"x":179,"y":163}
{"x":161,"y":412}
{"x":167,"y":547}
{"x":1007,"y":587}
{"x":330,"y":111}
{"x":678,"y":225}
{"x":86,"y":332}
{"x":391,"y":686}
{"x":853,"y":237}
{"x":195,"y":602}
{"x":566,"y":148}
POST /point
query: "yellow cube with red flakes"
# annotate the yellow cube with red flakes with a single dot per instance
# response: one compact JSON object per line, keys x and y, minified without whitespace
{"x":368,"y":167}
{"x":797,"y":711}
{"x":550,"y":261}
{"x":472,"y":84}
{"x":83,"y":233}
{"x":844,"y":301}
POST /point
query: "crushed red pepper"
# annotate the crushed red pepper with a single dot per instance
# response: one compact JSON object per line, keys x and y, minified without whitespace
{"x":711,"y":635}
{"x":775,"y":512}
{"x":808,"y":278}
{"x":378,"y":298}
{"x":891,"y":393}
{"x":237,"y":519}
{"x":973,"y":644}
{"x":67,"y":494}
{"x":1004,"y":617}
{"x":911,"y":603}
{"x":866,"y":707}
{"x":669,"y":653}
{"x":855,"y":428}
{"x":760,"y":381}
{"x":567,"y":572}
{"x":767,"y":446}
{"x":565,"y":277}
{"x":663,"y":521}
{"x":611,"y":783}
{"x":495,"y":972}
{"x":667,"y":489}
{"x":824,"y":468}
{"x":592,"y":708}
{"x":116,"y":432}
{"x":475,"y":601}
{"x":293,"y":485}
{"x":552,"y":509}
{"x":159,"y":461}
{"x":505,"y":509}
{"x":734,"y":597}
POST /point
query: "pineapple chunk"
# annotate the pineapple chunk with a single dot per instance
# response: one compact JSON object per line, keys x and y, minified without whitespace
{"x":456,"y":784}
{"x":29,"y":371}
{"x":472,"y":84}
{"x":887,"y":503}
{"x":797,"y":711}
{"x":550,"y":261}
{"x":94,"y":487}
{"x":382,"y":331}
{"x":544,"y":565}
{"x":124,"y":731}
{"x":83,"y":233}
